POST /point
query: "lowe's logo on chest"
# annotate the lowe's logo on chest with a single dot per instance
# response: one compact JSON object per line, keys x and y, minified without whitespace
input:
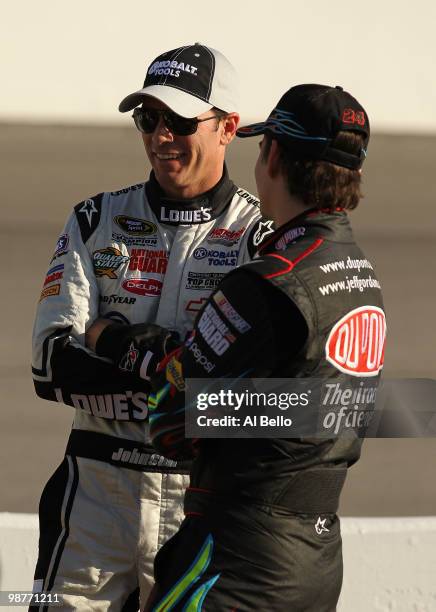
{"x":185,"y":216}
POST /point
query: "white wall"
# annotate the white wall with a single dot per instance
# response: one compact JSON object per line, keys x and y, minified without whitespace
{"x":65,"y":61}
{"x":390,"y":563}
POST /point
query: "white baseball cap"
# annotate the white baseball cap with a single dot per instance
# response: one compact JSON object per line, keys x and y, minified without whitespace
{"x":189,"y":80}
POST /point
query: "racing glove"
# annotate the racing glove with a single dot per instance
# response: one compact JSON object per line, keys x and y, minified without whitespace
{"x":136,"y":349}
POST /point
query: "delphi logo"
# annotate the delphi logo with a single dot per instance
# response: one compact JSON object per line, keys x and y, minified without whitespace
{"x":356,"y":344}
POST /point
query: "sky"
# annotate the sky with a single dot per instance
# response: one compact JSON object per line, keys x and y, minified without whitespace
{"x":74,"y":62}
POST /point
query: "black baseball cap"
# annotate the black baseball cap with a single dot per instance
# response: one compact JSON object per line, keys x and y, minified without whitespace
{"x":190,"y":80}
{"x":307,"y":120}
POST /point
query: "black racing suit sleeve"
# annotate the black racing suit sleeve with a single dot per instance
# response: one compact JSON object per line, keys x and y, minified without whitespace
{"x":244,"y":330}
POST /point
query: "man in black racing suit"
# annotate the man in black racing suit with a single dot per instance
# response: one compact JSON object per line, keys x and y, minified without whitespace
{"x":152,"y":252}
{"x":261,"y":531}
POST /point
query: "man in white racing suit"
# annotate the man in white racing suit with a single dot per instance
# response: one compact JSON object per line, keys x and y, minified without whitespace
{"x":149,"y":253}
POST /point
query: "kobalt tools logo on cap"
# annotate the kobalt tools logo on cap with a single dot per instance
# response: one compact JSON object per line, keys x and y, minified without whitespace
{"x":143,"y":286}
{"x":356,"y":343}
{"x":171,"y":68}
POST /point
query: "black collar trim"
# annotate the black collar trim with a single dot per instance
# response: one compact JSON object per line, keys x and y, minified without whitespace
{"x":192,"y":211}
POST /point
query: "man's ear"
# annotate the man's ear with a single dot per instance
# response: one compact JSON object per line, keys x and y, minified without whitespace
{"x":229,"y":125}
{"x":273,"y":162}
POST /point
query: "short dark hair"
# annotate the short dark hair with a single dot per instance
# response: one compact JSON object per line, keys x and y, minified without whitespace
{"x":322,"y":184}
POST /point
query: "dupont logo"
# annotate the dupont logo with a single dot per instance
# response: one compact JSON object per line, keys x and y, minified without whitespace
{"x":356,"y":344}
{"x":143,"y":286}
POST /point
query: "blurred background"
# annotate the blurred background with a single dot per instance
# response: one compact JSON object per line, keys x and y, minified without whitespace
{"x":65,"y":69}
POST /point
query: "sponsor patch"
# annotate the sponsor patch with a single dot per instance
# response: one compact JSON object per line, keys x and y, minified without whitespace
{"x":217,"y":258}
{"x":201,"y":359}
{"x":117,"y":299}
{"x":134,"y":226}
{"x":126,"y":406}
{"x":265,"y":228}
{"x":356,"y":344}
{"x":135,"y":241}
{"x":200,"y":215}
{"x":289,"y":237}
{"x":202,"y":280}
{"x":127,"y":362}
{"x":149,"y":261}
{"x":61,"y":246}
{"x":49,"y":291}
{"x":127,"y":189}
{"x":221,"y":235}
{"x":174,"y":374}
{"x":171,"y":68}
{"x":214,"y":331}
{"x":107,"y":260}
{"x":54,"y":274}
{"x":150,"y":287}
{"x":250,"y":198}
{"x":230,"y":313}
{"x":88,"y":209}
{"x":195,"y":305}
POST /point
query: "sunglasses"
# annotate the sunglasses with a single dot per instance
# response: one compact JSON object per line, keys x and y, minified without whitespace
{"x":146,"y":121}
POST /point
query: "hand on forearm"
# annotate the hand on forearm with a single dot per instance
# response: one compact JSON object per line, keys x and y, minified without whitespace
{"x":136,"y":348}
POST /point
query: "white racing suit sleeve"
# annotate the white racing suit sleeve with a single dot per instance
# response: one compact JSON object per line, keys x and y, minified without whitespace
{"x":64,"y":370}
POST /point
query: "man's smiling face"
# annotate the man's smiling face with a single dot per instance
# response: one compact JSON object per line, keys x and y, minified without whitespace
{"x":186,"y":166}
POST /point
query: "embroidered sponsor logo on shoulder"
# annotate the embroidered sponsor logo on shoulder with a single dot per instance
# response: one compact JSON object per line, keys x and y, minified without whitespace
{"x":107,"y":260}
{"x":289,"y":237}
{"x":230,"y":313}
{"x":174,"y":374}
{"x":50,"y":291}
{"x":264,"y":229}
{"x":250,"y":198}
{"x":89,"y":210}
{"x":134,"y":226}
{"x":61,"y":246}
{"x":356,"y":344}
{"x":54,"y":274}
{"x":221,"y":235}
{"x":127,"y":189}
{"x":149,"y":287}
{"x":214,"y":331}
